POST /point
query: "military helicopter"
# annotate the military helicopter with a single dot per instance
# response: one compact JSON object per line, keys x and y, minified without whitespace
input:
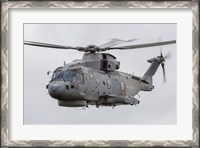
{"x":95,"y":79}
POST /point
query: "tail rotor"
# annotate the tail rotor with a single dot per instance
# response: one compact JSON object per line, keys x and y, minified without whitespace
{"x":162,"y":62}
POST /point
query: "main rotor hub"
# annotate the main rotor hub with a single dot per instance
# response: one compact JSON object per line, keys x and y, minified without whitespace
{"x":91,"y":46}
{"x":101,"y":61}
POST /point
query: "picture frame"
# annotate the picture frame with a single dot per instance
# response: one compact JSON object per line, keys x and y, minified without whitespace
{"x":6,"y":5}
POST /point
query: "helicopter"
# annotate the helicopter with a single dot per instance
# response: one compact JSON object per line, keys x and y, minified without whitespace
{"x":96,"y":80}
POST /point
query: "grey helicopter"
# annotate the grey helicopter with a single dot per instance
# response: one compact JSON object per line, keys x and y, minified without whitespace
{"x":95,"y":79}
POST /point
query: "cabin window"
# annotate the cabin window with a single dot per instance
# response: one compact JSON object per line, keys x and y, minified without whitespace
{"x":122,"y":86}
{"x":79,"y":78}
{"x":108,"y":84}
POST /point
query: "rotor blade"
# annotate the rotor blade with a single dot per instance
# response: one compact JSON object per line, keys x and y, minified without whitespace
{"x":115,"y":41}
{"x":159,"y":40}
{"x":144,"y":45}
{"x":163,"y":68}
{"x":51,"y":45}
{"x":168,"y":55}
{"x":108,"y":43}
{"x":161,"y":55}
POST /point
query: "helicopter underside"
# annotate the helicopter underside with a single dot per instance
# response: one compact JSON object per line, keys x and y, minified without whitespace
{"x":103,"y":101}
{"x":77,"y":103}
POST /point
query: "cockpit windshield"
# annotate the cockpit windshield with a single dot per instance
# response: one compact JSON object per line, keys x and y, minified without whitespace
{"x":68,"y":75}
{"x":57,"y":75}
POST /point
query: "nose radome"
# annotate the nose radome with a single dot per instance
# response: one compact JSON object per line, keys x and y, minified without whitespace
{"x":54,"y":87}
{"x":54,"y":90}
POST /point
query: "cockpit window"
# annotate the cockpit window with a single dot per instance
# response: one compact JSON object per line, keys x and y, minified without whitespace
{"x":69,"y":75}
{"x":57,"y":75}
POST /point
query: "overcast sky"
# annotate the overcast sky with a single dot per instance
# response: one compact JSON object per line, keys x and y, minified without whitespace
{"x":156,"y":107}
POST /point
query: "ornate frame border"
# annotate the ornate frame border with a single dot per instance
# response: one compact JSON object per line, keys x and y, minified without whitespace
{"x":5,"y":5}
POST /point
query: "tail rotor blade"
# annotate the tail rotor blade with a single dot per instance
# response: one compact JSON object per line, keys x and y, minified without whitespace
{"x":164,"y":75}
{"x":168,"y":55}
{"x":161,"y":55}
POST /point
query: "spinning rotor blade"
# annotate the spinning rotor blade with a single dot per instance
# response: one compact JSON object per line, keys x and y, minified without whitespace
{"x":94,"y":49}
{"x":115,"y":41}
{"x":51,"y":45}
{"x":144,"y":45}
{"x":168,"y":55}
{"x":164,"y":75}
{"x":162,"y":58}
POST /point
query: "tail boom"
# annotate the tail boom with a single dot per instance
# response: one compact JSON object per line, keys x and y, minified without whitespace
{"x":148,"y":76}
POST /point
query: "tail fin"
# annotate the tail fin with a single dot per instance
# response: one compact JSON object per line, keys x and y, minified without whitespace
{"x":155,"y":62}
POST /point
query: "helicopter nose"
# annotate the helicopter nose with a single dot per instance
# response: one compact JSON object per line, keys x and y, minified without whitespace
{"x":54,"y":90}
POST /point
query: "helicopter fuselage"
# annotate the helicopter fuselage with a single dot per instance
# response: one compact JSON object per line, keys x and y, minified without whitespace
{"x":92,"y":82}
{"x":93,"y":87}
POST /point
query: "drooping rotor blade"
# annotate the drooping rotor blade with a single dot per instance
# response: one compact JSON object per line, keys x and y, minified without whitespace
{"x":51,"y":45}
{"x":143,"y":45}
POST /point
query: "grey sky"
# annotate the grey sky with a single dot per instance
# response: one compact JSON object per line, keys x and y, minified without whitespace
{"x":156,"y":107}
